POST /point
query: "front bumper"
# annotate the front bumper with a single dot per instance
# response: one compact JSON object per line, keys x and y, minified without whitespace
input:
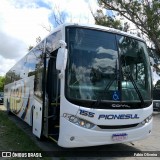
{"x":76,"y":136}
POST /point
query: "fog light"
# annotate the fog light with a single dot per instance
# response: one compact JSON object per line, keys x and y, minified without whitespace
{"x":72,"y":138}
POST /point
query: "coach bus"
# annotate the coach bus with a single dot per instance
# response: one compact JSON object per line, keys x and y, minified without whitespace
{"x":155,"y":70}
{"x":84,"y":85}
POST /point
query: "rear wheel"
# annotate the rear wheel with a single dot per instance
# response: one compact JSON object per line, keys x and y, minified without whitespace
{"x":9,"y":112}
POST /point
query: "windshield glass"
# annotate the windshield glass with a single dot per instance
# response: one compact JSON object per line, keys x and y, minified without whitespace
{"x":134,"y":69}
{"x":103,"y":66}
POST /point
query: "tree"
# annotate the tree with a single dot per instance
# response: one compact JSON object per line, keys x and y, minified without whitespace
{"x":58,"y":19}
{"x":30,"y":47}
{"x":143,"y":13}
{"x":2,"y":80}
{"x":105,"y":20}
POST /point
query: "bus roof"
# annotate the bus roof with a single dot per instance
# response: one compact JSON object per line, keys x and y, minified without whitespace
{"x":98,"y":27}
{"x":92,"y":26}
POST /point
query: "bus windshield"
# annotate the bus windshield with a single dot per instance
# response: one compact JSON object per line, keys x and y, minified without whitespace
{"x":106,"y":66}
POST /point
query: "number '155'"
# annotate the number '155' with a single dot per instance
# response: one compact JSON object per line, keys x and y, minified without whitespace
{"x":86,"y":113}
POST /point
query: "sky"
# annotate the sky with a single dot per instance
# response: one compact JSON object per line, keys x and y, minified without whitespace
{"x":22,"y":21}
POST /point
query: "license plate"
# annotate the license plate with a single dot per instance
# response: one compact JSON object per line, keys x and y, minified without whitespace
{"x":119,"y":137}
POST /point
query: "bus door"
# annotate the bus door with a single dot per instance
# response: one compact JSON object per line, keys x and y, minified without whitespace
{"x":38,"y":101}
{"x":53,"y":90}
{"x":37,"y":117}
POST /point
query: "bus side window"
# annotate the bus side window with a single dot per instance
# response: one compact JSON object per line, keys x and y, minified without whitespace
{"x":38,"y":81}
{"x":38,"y":85}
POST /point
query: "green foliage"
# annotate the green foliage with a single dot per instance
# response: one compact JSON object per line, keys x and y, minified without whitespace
{"x":104,"y":20}
{"x":143,"y":13}
{"x":30,"y":47}
{"x":13,"y":138}
{"x":2,"y":81}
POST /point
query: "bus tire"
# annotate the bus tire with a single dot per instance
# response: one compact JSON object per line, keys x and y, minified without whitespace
{"x":9,"y":112}
{"x":41,"y":138}
{"x":8,"y":108}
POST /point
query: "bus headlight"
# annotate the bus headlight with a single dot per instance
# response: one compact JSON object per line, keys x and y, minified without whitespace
{"x":78,"y":121}
{"x":73,"y":119}
{"x":147,"y":120}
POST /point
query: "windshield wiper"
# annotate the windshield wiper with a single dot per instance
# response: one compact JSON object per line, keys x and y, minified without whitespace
{"x":116,"y":77}
{"x":99,"y":99}
{"x":136,"y":88}
{"x":128,"y":74}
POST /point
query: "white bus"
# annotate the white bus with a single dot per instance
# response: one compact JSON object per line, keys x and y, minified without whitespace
{"x":84,"y":85}
{"x":155,"y":70}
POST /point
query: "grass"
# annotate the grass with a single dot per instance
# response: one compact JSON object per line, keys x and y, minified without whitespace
{"x":13,"y":138}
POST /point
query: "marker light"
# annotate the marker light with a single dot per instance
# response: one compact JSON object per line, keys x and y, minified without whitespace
{"x":78,"y":121}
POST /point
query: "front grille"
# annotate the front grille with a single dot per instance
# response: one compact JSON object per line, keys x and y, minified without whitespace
{"x":118,"y":127}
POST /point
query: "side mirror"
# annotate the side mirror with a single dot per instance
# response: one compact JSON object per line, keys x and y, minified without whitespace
{"x":61,"y":60}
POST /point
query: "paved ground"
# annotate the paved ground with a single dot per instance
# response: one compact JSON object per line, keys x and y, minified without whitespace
{"x":152,"y":143}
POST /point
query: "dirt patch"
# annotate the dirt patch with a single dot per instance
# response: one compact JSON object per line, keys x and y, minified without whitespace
{"x":2,"y":108}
